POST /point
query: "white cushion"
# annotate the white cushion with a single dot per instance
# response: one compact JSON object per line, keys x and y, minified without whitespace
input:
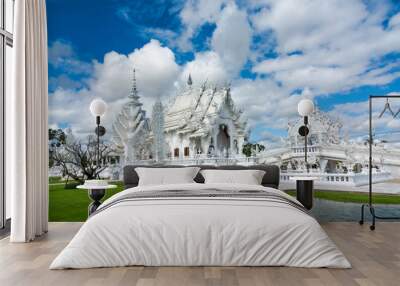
{"x":166,"y":176}
{"x":248,"y":177}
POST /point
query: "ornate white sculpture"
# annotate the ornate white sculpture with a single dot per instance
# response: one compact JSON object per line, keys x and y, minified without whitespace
{"x":131,"y":128}
{"x":157,"y":127}
{"x":323,"y":130}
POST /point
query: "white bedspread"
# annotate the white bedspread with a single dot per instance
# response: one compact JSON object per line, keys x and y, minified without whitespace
{"x":200,"y":231}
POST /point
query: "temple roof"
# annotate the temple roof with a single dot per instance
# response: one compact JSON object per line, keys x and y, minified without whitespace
{"x":196,"y":107}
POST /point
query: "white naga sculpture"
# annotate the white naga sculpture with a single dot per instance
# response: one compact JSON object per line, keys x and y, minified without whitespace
{"x":131,"y":128}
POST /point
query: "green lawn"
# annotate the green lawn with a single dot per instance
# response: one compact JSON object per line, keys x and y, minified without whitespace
{"x":353,"y":197}
{"x":54,"y":180}
{"x":71,"y":204}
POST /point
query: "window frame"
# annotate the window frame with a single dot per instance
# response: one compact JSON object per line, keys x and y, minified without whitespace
{"x":6,"y":39}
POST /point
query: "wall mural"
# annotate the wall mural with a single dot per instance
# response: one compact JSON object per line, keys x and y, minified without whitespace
{"x":200,"y":82}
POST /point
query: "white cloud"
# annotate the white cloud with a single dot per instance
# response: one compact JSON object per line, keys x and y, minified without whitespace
{"x":59,"y":49}
{"x":231,"y":39}
{"x":157,"y":69}
{"x":206,"y":66}
{"x":68,"y":106}
{"x":265,"y":103}
{"x":124,"y":13}
{"x":230,"y":43}
{"x":355,"y":116}
{"x":63,"y":81}
{"x":62,"y":56}
{"x":112,"y":80}
{"x":318,"y":48}
{"x":394,"y":21}
{"x":330,"y":46}
{"x":268,"y":139}
{"x":165,"y":35}
{"x":309,"y":24}
{"x":195,"y":14}
{"x":156,"y":73}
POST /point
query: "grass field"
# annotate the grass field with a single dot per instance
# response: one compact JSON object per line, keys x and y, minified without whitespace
{"x":72,"y":204}
{"x":353,"y":197}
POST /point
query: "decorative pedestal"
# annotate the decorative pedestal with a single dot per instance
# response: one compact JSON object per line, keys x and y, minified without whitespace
{"x":305,"y":190}
{"x":96,"y":193}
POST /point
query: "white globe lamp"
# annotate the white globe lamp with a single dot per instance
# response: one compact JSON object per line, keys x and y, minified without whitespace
{"x":98,"y":107}
{"x":305,"y":107}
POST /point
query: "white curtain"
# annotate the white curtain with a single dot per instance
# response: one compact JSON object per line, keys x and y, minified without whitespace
{"x":27,"y":123}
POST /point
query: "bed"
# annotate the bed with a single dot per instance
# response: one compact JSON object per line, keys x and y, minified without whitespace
{"x":198,"y":224}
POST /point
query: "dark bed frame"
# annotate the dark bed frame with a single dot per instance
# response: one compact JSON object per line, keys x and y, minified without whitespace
{"x":270,"y":179}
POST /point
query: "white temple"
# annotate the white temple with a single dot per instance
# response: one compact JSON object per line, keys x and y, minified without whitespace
{"x":201,"y":125}
{"x":203,"y":121}
{"x":335,"y":160}
{"x":324,"y":131}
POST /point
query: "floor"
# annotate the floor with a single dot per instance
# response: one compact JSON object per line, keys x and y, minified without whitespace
{"x":5,"y":231}
{"x":375,"y":256}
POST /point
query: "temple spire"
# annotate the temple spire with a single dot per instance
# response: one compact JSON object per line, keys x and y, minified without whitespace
{"x":134,"y":96}
{"x":189,"y":81}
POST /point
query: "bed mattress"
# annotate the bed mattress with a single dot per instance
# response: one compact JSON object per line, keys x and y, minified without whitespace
{"x":201,"y":225}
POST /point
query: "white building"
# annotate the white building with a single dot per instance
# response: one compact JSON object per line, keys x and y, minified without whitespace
{"x":203,"y":121}
{"x":335,"y":160}
{"x":202,"y":125}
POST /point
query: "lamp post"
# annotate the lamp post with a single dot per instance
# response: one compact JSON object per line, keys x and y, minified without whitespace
{"x":98,"y":107}
{"x":305,"y":108}
{"x":305,"y":183}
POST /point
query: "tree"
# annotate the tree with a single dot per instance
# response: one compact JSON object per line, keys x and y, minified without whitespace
{"x":57,"y":138}
{"x":57,"y":134}
{"x":78,"y":159}
{"x":249,"y":148}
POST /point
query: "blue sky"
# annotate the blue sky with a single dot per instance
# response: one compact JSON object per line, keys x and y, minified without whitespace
{"x":273,"y":52}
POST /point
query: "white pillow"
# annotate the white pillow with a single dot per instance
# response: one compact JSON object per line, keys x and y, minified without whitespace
{"x":166,"y":176}
{"x":248,"y":177}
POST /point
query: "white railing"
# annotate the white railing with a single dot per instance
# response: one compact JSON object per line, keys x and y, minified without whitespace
{"x":201,"y":160}
{"x":213,"y":161}
{"x":310,"y":149}
{"x":350,"y":179}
